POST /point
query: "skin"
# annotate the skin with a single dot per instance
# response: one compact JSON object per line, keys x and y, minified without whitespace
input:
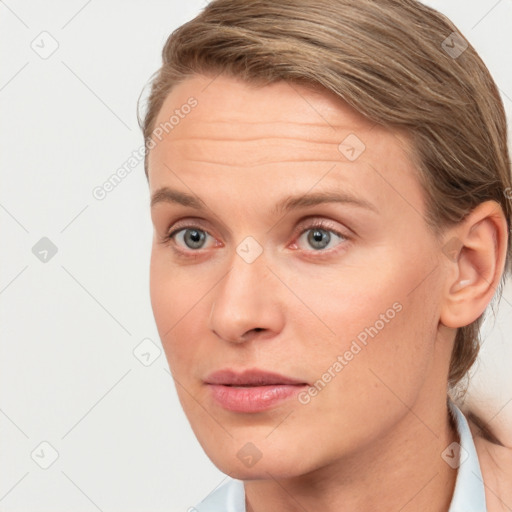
{"x":371,"y":439}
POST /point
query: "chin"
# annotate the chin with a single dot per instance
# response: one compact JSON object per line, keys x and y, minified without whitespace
{"x":246,"y":461}
{"x":260,"y":471}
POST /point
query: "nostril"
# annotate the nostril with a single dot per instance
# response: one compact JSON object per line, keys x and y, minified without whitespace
{"x":247,"y":334}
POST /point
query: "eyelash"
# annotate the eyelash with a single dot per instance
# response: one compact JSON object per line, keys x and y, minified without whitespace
{"x":167,"y":240}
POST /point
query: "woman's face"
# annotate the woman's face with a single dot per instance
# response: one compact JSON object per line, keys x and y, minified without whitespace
{"x":341,"y":295}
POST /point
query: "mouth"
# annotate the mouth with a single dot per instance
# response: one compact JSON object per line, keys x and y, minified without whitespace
{"x":251,"y":390}
{"x":248,"y":378}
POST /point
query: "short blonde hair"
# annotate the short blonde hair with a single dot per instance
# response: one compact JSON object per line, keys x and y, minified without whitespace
{"x":398,"y":62}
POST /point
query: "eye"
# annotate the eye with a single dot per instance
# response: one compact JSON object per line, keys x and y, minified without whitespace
{"x":189,"y":237}
{"x":318,"y":235}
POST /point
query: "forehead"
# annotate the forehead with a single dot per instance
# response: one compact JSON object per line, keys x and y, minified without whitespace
{"x":229,"y":104}
{"x":275,"y":135}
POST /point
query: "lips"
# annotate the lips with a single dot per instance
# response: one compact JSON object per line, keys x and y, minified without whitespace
{"x":252,"y":377}
{"x":251,"y":391}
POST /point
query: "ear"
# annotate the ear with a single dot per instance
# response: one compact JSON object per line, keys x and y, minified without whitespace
{"x":475,"y":252}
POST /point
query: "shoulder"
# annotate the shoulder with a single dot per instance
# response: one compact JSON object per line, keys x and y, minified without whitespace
{"x":496,"y":465}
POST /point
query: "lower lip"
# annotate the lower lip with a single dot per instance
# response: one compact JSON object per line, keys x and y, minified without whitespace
{"x":254,"y":398}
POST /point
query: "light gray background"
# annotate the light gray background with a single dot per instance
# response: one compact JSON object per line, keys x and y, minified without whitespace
{"x":69,"y":326}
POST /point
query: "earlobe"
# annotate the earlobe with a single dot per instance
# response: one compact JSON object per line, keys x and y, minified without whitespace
{"x":474,"y":264}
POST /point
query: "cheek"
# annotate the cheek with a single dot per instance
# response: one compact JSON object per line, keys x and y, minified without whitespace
{"x":172,"y":302}
{"x":381,"y":331}
{"x":378,"y":359}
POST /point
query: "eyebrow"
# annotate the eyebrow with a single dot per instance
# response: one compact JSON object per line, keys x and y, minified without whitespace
{"x":169,"y":195}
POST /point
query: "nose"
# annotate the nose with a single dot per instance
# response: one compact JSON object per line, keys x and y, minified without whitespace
{"x":246,"y":302}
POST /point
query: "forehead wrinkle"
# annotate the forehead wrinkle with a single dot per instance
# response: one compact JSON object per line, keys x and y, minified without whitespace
{"x":273,"y":143}
{"x":250,"y":139}
{"x":250,"y":151}
{"x":284,"y":129}
{"x":253,"y":159}
{"x":270,"y":162}
{"x":245,"y":120}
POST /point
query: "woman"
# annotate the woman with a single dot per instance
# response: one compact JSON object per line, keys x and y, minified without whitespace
{"x":329,"y":191}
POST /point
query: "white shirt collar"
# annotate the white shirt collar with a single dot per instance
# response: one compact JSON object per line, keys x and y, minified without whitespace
{"x":227,"y":497}
{"x":468,"y":495}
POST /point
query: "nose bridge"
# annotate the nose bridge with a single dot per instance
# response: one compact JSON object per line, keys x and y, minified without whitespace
{"x":246,"y":297}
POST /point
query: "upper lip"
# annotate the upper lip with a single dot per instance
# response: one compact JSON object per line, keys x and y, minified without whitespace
{"x":250,"y":377}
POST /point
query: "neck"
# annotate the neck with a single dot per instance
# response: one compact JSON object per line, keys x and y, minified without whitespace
{"x":402,"y":470}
